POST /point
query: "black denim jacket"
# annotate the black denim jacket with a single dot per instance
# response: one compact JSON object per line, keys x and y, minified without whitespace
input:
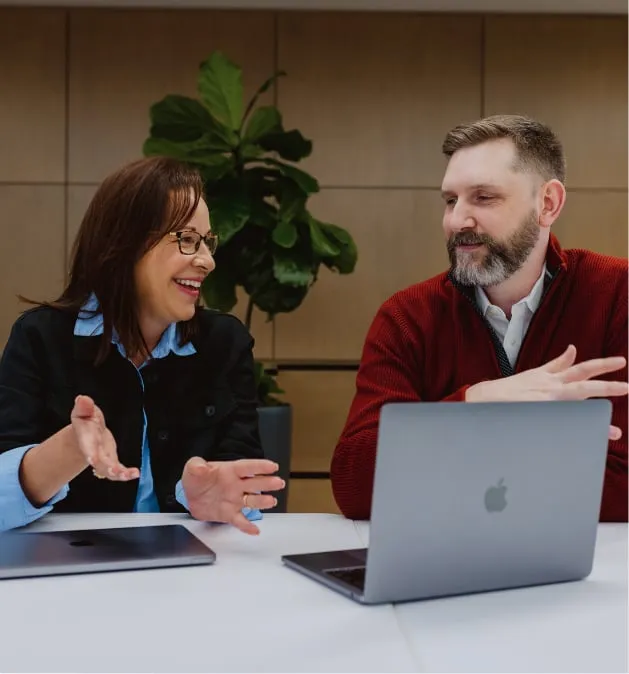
{"x":198,"y":405}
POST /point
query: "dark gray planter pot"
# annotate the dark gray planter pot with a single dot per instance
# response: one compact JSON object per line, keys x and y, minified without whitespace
{"x":275,"y":434}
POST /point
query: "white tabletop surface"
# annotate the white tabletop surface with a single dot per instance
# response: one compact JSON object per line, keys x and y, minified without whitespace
{"x":250,"y":613}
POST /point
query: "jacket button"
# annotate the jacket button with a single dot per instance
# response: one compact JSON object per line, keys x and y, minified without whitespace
{"x":210,"y":411}
{"x":162,"y":435}
{"x":152,"y":377}
{"x":171,"y":500}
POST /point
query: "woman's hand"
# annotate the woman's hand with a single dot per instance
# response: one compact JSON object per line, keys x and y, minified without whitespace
{"x":217,"y":491}
{"x":96,"y":443}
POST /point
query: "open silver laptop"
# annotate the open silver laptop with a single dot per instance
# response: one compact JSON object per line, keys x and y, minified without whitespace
{"x":476,"y":497}
{"x":24,"y":554}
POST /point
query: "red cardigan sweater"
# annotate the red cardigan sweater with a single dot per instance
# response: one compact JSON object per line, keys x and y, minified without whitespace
{"x":429,"y":342}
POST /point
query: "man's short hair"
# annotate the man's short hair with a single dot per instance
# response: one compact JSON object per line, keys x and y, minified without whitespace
{"x":537,"y":147}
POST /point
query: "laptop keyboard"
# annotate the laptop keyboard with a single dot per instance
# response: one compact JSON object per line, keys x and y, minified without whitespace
{"x":354,"y":576}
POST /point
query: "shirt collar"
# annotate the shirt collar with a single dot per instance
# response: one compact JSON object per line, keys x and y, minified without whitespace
{"x":532,"y":300}
{"x":89,"y":323}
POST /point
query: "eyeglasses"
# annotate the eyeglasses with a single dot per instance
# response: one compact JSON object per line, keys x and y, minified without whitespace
{"x":190,"y":241}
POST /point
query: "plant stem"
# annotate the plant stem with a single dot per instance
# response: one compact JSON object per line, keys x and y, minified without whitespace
{"x":249,"y":314}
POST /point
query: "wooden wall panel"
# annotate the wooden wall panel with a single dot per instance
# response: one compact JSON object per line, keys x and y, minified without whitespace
{"x":570,"y":72}
{"x":320,"y":403}
{"x":377,"y":92}
{"x":78,"y":200}
{"x":595,"y":220}
{"x":32,"y":95}
{"x":311,"y":496}
{"x":122,"y":61}
{"x":31,"y":254}
{"x":400,"y":242}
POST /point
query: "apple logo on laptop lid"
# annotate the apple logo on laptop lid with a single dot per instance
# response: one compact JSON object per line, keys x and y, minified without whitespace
{"x":495,"y":497}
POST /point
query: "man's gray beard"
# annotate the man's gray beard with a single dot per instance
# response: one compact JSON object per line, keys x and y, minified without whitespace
{"x":501,"y":260}
{"x":490,"y":272}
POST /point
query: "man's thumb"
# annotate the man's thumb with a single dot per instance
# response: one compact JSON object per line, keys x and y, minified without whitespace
{"x":562,"y":362}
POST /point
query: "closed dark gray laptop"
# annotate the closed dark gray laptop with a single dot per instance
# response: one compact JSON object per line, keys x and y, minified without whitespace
{"x":476,"y":497}
{"x":40,"y":553}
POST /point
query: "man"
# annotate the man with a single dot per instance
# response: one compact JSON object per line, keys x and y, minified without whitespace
{"x":512,"y":317}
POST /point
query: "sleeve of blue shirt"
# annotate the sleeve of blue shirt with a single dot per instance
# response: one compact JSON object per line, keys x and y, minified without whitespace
{"x":15,"y":509}
{"x":252,"y":514}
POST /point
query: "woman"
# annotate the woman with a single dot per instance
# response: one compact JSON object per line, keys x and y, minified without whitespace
{"x":126,"y":374}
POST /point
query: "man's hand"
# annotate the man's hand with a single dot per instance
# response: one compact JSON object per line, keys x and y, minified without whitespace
{"x":217,"y":491}
{"x":96,"y":443}
{"x":559,"y":379}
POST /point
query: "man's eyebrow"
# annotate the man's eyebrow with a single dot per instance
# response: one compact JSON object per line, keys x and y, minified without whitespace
{"x":478,"y":186}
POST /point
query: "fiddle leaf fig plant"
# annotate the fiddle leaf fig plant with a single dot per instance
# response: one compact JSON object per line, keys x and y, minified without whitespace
{"x":270,"y":245}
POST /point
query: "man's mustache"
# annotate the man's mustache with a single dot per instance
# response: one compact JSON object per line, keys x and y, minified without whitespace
{"x":468,"y":239}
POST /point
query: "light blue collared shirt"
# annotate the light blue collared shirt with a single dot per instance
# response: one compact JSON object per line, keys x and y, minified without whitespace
{"x":16,"y":510}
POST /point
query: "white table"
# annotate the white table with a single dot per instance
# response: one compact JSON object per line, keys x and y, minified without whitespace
{"x":250,"y":613}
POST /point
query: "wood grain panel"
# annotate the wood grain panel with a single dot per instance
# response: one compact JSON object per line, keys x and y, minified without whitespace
{"x":31,"y":254}
{"x":570,"y":72}
{"x":400,"y":242}
{"x":320,"y":400}
{"x":377,"y":92}
{"x":79,"y":197}
{"x":32,"y":95}
{"x":311,"y":496}
{"x":596,"y":221}
{"x":123,"y":61}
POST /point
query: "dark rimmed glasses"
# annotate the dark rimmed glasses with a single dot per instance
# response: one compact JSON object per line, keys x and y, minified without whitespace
{"x":190,"y":241}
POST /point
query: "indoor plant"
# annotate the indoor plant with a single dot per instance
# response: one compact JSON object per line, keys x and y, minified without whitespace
{"x":269,"y":242}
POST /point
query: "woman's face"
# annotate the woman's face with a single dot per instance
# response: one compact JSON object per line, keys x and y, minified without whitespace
{"x":168,"y":282}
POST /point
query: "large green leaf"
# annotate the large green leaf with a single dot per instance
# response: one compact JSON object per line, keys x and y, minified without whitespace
{"x":305,"y":181}
{"x":179,"y":118}
{"x":263,"y":214}
{"x":194,"y":152}
{"x":249,"y":152}
{"x":320,"y":242}
{"x":275,"y":298}
{"x":229,"y":214}
{"x":219,"y":289}
{"x":285,"y":234}
{"x":290,"y":145}
{"x":345,"y":261}
{"x":292,"y":200}
{"x":263,"y":121}
{"x":291,"y":269}
{"x":220,"y":89}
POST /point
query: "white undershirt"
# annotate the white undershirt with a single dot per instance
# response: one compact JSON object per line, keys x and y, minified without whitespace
{"x":512,"y":332}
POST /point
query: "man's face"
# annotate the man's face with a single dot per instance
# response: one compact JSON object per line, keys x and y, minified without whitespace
{"x":490,"y":219}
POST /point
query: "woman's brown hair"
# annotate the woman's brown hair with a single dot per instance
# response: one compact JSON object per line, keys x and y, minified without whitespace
{"x":132,"y":210}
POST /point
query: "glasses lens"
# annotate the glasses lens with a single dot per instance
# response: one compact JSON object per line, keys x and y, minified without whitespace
{"x":189,"y":242}
{"x":211,"y":241}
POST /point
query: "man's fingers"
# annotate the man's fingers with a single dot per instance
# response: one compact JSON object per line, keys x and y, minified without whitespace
{"x":592,"y":368}
{"x":262,"y":483}
{"x":562,"y":362}
{"x":242,"y":523}
{"x":615,"y":433}
{"x":580,"y":390}
{"x":250,"y":467}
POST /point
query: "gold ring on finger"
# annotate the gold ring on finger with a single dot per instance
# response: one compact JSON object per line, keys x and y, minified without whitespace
{"x":98,"y":475}
{"x":244,"y":500}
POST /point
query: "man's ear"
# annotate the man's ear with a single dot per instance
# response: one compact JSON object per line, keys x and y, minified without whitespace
{"x":553,"y":197}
